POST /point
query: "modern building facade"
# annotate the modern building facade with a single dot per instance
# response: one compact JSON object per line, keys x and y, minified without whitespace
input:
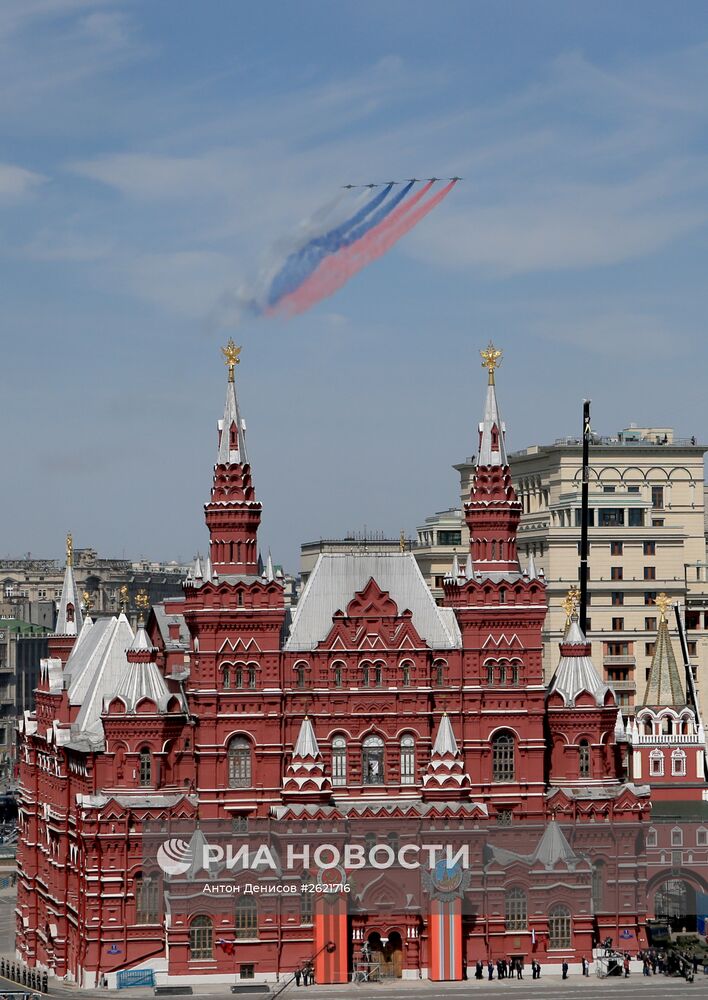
{"x":372,"y":717}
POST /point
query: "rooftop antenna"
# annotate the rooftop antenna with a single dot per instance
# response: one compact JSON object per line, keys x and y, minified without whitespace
{"x":584,"y":505}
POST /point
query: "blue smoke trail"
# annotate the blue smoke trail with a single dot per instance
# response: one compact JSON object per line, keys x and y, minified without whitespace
{"x":356,"y":234}
{"x":300,"y":264}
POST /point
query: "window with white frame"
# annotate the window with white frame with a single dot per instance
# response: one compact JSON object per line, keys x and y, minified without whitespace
{"x":701,"y":837}
{"x":656,"y":763}
{"x":678,"y":762}
{"x":339,"y":761}
{"x":407,"y":760}
{"x":677,"y":837}
{"x":652,"y":839}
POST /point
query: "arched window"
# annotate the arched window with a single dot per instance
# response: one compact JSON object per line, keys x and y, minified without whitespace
{"x":656,"y":763}
{"x":584,"y":763}
{"x":365,"y":673}
{"x":337,"y":674}
{"x":598,"y":886}
{"x":502,"y":591}
{"x":559,"y":927}
{"x":372,"y":761}
{"x":145,"y":767}
{"x":246,"y":918}
{"x":239,"y":760}
{"x":503,"y":765}
{"x":250,"y":676}
{"x":490,"y":673}
{"x":438,"y":678}
{"x":678,"y":762}
{"x":201,"y":938}
{"x":652,"y":839}
{"x":227,"y":676}
{"x":376,"y":674}
{"x":502,"y":672}
{"x":339,"y":761}
{"x":306,"y":900}
{"x":515,"y":910}
{"x":146,"y":906}
{"x":238,"y":675}
{"x":406,"y":673}
{"x":299,"y":670}
{"x":407,"y":760}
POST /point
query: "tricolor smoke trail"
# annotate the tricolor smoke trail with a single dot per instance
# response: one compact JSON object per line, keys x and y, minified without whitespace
{"x":336,"y":268}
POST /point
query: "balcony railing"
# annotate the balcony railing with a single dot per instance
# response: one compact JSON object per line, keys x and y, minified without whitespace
{"x":619,"y":661}
{"x":623,"y":685}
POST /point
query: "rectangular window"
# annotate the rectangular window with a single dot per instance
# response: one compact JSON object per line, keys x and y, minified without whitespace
{"x":657,"y":497}
{"x":650,"y":572}
{"x":649,"y":648}
{"x":608,"y":489}
{"x":650,"y":597}
{"x":617,"y":598}
{"x":246,"y":972}
{"x":449,"y":538}
{"x":610,"y":517}
{"x":439,"y":580}
{"x":633,"y":489}
{"x":650,"y":548}
{"x":616,"y":573}
{"x":636,"y":518}
{"x":692,"y":648}
{"x":618,"y":624}
{"x":650,"y":624}
{"x":588,"y":625}
{"x":701,"y":837}
{"x":616,"y":548}
{"x":579,"y":517}
{"x":657,"y":522}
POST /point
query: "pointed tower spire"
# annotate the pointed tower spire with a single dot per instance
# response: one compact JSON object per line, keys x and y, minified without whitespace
{"x":664,"y":687}
{"x":305,"y":776}
{"x":493,"y":510}
{"x":445,"y":776}
{"x":69,"y":618}
{"x":531,"y":570}
{"x":233,"y":514}
{"x":270,"y":574}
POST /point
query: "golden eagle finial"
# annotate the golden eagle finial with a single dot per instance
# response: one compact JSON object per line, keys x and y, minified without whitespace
{"x":142,"y":603}
{"x":663,"y":601}
{"x":570,"y":604}
{"x":231,"y":353}
{"x":491,"y":359}
{"x":124,"y":599}
{"x":87,"y":602}
{"x":69,"y":549}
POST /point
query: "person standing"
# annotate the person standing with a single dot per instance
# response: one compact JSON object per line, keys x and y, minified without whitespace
{"x":626,"y":966}
{"x":519,"y":969}
{"x":564,"y":968}
{"x":298,"y":976}
{"x":586,"y":966}
{"x":490,"y":970}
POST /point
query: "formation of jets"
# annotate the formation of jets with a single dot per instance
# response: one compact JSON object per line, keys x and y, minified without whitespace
{"x":408,"y":180}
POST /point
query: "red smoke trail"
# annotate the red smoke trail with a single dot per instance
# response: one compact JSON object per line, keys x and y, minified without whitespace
{"x":336,"y":270}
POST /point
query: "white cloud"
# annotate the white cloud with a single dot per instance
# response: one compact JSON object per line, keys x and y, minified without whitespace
{"x":17,"y":182}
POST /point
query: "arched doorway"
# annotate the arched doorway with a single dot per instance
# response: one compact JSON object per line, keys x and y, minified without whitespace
{"x":675,"y":902}
{"x":395,"y":954}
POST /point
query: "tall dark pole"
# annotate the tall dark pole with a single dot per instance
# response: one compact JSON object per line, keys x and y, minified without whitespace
{"x":584,"y":519}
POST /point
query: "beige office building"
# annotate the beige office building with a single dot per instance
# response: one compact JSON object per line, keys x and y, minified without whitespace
{"x":647,"y":535}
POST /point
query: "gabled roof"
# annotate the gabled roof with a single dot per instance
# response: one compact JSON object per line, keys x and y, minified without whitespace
{"x":93,"y":670}
{"x":338,"y":576}
{"x":551,"y":849}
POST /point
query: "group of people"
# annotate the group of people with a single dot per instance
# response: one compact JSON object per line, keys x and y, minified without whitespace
{"x":505,"y":969}
{"x":304,"y":975}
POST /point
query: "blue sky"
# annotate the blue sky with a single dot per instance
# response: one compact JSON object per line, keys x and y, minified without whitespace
{"x":151,"y":154}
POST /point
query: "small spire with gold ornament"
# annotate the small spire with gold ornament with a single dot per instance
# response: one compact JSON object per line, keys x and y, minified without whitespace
{"x":231,"y":354}
{"x":491,"y":359}
{"x":570,"y":605}
{"x":663,"y":602}
{"x":142,"y":603}
{"x":69,"y":549}
{"x":87,"y":602}
{"x":124,"y":599}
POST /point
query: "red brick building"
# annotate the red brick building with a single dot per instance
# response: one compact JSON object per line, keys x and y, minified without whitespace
{"x":370,"y":704}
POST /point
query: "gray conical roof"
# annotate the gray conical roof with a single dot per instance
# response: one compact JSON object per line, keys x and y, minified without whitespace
{"x":306,"y":745}
{"x":445,"y":742}
{"x":232,"y":448}
{"x":69,"y":617}
{"x":664,"y":687}
{"x":492,"y":450}
{"x":576,"y":672}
